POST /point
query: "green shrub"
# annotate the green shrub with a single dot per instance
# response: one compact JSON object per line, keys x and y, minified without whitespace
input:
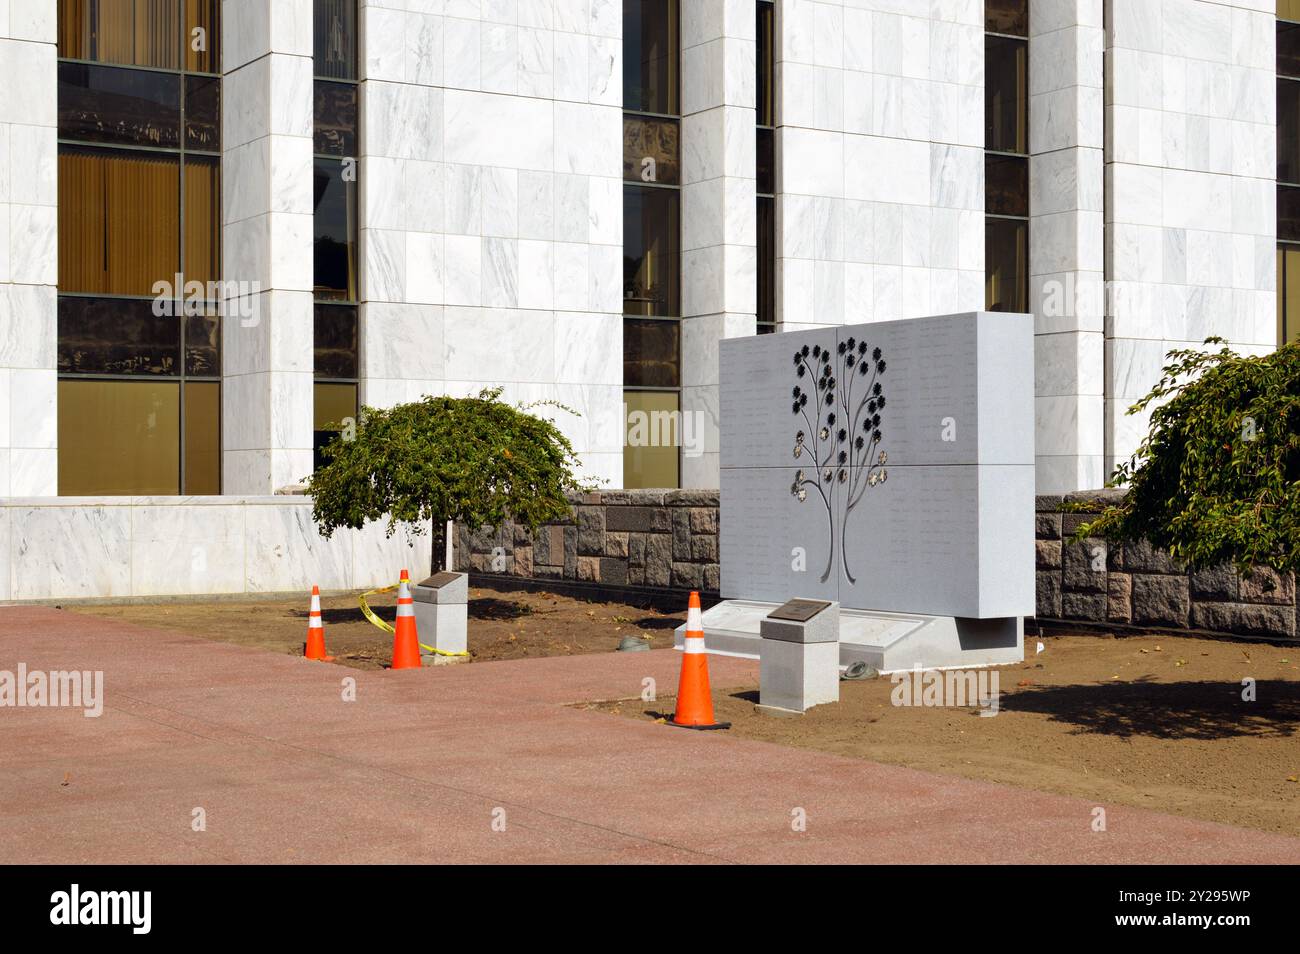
{"x":473,"y":460}
{"x":1217,"y":478}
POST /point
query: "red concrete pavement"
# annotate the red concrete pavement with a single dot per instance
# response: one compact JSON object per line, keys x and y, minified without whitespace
{"x":419,"y":766}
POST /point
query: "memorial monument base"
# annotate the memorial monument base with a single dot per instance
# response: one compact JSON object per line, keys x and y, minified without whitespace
{"x":887,"y":641}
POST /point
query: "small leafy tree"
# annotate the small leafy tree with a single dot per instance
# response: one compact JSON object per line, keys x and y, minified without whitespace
{"x":1218,"y":476}
{"x":475,"y":460}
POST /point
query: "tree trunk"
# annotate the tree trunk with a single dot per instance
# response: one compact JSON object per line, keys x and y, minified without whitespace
{"x":438,"y":537}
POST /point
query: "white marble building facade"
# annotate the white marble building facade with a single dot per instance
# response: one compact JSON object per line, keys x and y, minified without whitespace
{"x":490,"y":221}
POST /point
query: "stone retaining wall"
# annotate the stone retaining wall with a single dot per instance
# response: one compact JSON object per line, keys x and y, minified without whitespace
{"x":1137,"y":585}
{"x":666,"y":541}
{"x":658,"y":539}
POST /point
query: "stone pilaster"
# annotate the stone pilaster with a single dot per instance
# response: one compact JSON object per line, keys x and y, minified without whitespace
{"x":29,"y":260}
{"x":1066,"y":278}
{"x":267,"y":238}
{"x":719,"y":236}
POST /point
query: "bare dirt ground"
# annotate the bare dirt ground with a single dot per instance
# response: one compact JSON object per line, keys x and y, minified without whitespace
{"x":1153,"y":721}
{"x":511,"y":625}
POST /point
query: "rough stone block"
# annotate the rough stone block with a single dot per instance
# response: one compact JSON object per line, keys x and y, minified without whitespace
{"x":589,"y":569}
{"x":681,"y":535}
{"x":1083,"y":566}
{"x":1047,"y":554}
{"x":1266,"y":585}
{"x":1218,"y":584}
{"x":704,"y":520}
{"x":1119,"y":598}
{"x":1160,"y":600}
{"x":1048,"y":595}
{"x":1244,"y":619}
{"x":1142,"y":557}
{"x":712,"y":577}
{"x":523,"y":561}
{"x":659,"y":560}
{"x":688,"y":576}
{"x":616,"y":544}
{"x":1084,"y":606}
{"x":591,"y":531}
{"x":704,"y":549}
{"x":570,"y":552}
{"x":613,"y":571}
{"x":636,"y":549}
{"x":1047,"y":526}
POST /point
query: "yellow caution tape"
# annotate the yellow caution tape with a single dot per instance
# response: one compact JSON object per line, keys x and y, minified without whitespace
{"x":370,"y":615}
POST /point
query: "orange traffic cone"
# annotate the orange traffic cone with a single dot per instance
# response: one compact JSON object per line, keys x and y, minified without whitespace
{"x":406,"y":642}
{"x":316,"y":630}
{"x":694,"y":699}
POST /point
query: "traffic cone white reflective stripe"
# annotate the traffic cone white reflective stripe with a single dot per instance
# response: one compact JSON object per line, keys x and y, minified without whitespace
{"x":694,"y":638}
{"x":313,"y":617}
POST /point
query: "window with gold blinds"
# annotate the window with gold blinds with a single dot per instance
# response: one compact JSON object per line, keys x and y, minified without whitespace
{"x":139,"y":326}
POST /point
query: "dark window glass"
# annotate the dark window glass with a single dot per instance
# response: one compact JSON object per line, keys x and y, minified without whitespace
{"x":334,"y":131}
{"x":119,"y":437}
{"x":335,"y":345}
{"x":650,"y":54}
{"x":203,"y":113}
{"x":331,"y":404}
{"x":766,"y":170}
{"x":651,"y":252}
{"x":1288,"y":49}
{"x":1006,"y":180}
{"x":335,"y":224}
{"x":116,"y":336}
{"x":766,"y":222}
{"x":203,"y":345}
{"x":651,"y":150}
{"x":1288,"y":213}
{"x":335,"y":49}
{"x":766,"y":104}
{"x":1006,"y":259}
{"x":129,"y":32}
{"x":1288,"y":130}
{"x":1006,"y":95}
{"x":116,"y":105}
{"x":1007,"y":16}
{"x":119,"y":220}
{"x":650,"y":349}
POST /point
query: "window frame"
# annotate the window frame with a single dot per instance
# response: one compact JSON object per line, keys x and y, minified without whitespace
{"x":181,"y":378}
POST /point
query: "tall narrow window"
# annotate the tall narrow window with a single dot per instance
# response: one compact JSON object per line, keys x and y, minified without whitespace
{"x":651,"y":243}
{"x":334,"y":135}
{"x":765,"y":172}
{"x":139,"y":326}
{"x":1288,"y":171}
{"x":1006,"y":155}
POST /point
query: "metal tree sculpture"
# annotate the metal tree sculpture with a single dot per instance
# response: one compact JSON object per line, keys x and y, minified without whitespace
{"x":842,"y":436}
